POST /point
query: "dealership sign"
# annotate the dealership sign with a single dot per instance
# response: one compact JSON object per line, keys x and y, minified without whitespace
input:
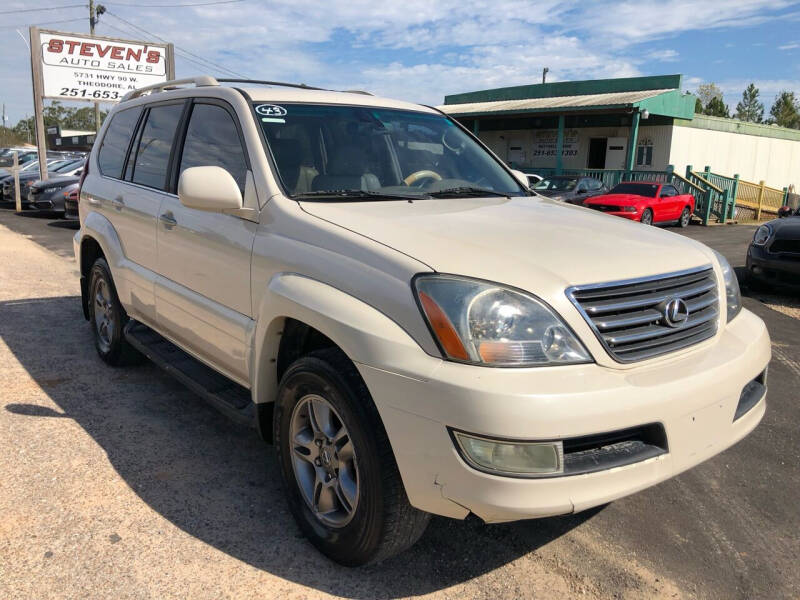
{"x":83,"y":67}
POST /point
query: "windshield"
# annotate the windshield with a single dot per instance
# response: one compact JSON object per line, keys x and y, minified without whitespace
{"x":639,"y":189}
{"x":561,"y":184}
{"x":324,"y":151}
{"x":67,"y":165}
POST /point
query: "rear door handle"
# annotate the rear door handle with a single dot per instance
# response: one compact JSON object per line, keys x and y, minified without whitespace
{"x":167,"y":220}
{"x":118,"y":202}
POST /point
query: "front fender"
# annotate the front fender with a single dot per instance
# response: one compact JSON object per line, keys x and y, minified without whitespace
{"x":364,"y":333}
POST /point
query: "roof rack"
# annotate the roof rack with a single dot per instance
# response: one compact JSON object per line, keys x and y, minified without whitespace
{"x":208,"y":81}
{"x":301,"y":86}
{"x":201,"y":81}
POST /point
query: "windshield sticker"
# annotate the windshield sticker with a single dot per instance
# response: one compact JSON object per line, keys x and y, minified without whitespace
{"x":270,"y":110}
{"x":271,"y":120}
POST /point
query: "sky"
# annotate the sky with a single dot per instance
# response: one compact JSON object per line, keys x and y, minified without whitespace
{"x":421,"y":50}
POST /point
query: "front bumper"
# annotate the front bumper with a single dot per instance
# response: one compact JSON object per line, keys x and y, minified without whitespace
{"x":781,"y":268}
{"x":694,"y":397}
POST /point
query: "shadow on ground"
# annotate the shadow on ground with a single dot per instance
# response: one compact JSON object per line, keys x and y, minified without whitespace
{"x":218,"y":481}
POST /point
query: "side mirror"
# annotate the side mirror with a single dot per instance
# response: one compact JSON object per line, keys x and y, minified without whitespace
{"x":209,"y":188}
{"x":522,"y":178}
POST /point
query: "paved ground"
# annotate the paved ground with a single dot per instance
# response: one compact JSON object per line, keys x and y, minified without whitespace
{"x":120,"y":483}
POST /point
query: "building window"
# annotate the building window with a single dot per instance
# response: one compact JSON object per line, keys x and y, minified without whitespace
{"x":644,"y":154}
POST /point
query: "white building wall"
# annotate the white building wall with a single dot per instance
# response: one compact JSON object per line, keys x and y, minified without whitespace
{"x":776,"y":161}
{"x":504,"y":142}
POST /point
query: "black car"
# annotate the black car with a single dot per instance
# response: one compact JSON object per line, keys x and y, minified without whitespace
{"x":774,"y":254}
{"x":27,"y":177}
{"x":48,"y":195}
{"x":570,"y":188}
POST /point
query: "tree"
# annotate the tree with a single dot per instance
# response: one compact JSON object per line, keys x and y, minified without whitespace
{"x":717,"y":108}
{"x":698,"y":106}
{"x":750,"y":109}
{"x":67,"y":117}
{"x":786,"y":110}
{"x":707,"y":91}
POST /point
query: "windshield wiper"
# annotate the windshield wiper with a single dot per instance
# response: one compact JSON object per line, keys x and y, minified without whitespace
{"x":356,"y":195}
{"x":466,"y":191}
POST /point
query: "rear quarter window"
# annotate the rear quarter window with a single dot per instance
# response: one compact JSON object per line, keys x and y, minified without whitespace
{"x":116,"y":140}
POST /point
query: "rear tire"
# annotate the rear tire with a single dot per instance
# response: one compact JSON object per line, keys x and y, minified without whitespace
{"x":647,"y":217}
{"x":686,"y":216}
{"x":108,"y":318}
{"x":374,"y":519}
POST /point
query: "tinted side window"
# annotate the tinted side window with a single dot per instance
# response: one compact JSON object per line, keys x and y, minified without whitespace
{"x":212,"y":140}
{"x":116,"y":140}
{"x":671,"y":190}
{"x":152,"y":156}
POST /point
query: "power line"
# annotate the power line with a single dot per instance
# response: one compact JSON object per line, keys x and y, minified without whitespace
{"x":127,"y":33}
{"x":26,"y":10}
{"x":42,"y":23}
{"x":174,"y":5}
{"x":226,"y":69}
{"x":198,"y":63}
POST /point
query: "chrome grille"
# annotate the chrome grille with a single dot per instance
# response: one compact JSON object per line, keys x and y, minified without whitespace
{"x":629,"y":317}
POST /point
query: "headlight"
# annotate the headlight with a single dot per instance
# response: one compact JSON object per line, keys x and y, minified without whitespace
{"x":733,"y":297}
{"x":630,"y":209}
{"x":762,"y":235}
{"x":484,"y":323}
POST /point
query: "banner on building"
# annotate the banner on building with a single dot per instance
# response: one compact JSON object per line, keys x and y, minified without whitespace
{"x":544,"y":142}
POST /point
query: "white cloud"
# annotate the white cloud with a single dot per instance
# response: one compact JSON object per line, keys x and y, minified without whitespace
{"x":413,"y":49}
{"x":791,"y":46}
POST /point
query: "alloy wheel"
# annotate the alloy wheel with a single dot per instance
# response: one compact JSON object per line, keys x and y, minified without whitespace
{"x":324,"y":461}
{"x":103,"y":314}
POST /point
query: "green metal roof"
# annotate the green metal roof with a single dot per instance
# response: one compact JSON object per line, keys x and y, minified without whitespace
{"x":743,"y":127}
{"x":660,"y":95}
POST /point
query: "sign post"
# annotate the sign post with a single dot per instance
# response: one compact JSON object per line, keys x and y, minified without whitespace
{"x":17,"y":196}
{"x":76,"y":66}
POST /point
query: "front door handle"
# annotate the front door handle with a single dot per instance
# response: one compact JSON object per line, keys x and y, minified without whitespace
{"x":167,"y":220}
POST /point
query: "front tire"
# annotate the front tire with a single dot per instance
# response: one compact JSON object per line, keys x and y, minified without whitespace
{"x":108,"y":318}
{"x":647,"y":217}
{"x":686,"y":216}
{"x":339,"y":472}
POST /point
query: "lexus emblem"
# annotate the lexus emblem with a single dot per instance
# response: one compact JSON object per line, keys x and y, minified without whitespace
{"x":675,"y":312}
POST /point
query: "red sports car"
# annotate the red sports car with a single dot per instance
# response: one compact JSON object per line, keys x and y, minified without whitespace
{"x":645,"y":201}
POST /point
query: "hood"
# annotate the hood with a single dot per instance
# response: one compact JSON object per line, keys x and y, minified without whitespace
{"x":787,"y":228}
{"x":616,"y":199}
{"x":532,"y":243}
{"x":555,"y":193}
{"x":57,"y":181}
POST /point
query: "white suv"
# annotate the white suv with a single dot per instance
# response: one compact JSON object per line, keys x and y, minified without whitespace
{"x":378,"y":294}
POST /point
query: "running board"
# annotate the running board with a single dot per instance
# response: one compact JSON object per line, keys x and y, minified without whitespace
{"x":228,"y":397}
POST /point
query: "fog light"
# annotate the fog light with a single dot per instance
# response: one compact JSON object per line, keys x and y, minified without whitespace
{"x":511,"y":458}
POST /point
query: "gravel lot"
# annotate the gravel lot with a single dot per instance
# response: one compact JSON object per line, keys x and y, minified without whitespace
{"x":120,"y":483}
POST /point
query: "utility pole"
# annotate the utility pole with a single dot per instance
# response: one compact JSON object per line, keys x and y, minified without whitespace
{"x":544,"y":74}
{"x":94,"y":15}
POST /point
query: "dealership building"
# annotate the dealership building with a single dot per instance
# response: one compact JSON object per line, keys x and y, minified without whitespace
{"x":637,"y":123}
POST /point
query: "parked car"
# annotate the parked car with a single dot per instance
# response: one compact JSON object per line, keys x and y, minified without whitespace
{"x":362,"y":281}
{"x":29,"y":178}
{"x":647,"y":201}
{"x":533,"y":179}
{"x":570,"y":189}
{"x":773,"y":256}
{"x":7,"y":178}
{"x":49,"y":195}
{"x":71,"y":201}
